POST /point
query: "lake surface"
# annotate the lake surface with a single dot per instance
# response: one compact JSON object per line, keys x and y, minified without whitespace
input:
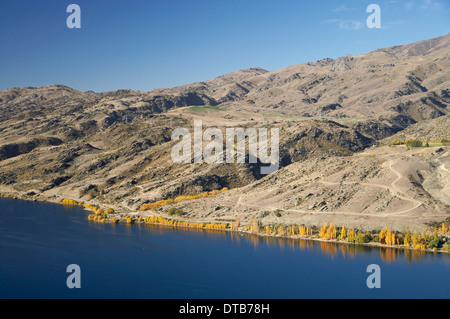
{"x":39,"y":240}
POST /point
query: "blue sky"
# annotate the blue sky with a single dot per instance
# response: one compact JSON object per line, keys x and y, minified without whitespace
{"x":142,"y":45}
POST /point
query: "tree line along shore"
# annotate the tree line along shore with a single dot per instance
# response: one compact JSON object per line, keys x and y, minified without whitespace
{"x":436,"y":238}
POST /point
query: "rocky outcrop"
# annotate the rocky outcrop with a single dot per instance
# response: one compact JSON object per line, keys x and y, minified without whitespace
{"x":16,"y":149}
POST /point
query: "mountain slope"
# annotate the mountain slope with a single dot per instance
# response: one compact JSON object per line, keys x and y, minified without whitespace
{"x":114,"y":148}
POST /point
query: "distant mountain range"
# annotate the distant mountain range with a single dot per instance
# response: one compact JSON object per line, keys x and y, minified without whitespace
{"x":403,"y":84}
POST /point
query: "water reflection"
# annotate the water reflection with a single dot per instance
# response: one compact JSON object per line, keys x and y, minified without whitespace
{"x":161,"y":229}
{"x":387,"y":254}
{"x":38,"y":241}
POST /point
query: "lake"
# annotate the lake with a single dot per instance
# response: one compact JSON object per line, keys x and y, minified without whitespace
{"x":39,"y":240}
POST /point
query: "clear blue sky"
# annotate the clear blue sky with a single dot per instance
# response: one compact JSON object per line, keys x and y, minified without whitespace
{"x":142,"y":45}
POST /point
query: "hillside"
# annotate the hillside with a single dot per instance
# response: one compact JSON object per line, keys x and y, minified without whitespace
{"x":335,"y":119}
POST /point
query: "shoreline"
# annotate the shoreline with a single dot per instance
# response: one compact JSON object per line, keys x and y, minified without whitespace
{"x":57,"y":199}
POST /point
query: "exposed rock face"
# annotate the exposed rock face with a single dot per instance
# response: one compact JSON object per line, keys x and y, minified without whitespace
{"x":428,"y":130}
{"x":16,"y":149}
{"x":377,"y":129}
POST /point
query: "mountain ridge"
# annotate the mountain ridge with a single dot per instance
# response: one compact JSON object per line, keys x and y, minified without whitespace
{"x":335,"y":118}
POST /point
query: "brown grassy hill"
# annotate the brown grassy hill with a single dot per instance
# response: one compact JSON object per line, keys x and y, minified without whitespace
{"x":410,"y":80}
{"x":114,"y":147}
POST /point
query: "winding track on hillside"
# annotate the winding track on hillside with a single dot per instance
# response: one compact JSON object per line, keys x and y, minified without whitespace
{"x":392,"y":187}
{"x":398,"y":192}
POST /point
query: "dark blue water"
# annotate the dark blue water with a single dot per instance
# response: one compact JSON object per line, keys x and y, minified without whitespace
{"x":39,"y":240}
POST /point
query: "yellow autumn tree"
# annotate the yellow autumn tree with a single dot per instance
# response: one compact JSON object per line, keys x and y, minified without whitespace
{"x":323,"y":230}
{"x":444,"y":229}
{"x":343,"y":234}
{"x":351,"y":236}
{"x":69,"y":202}
{"x":254,"y":227}
{"x":416,"y":241}
{"x":407,"y":239}
{"x":330,"y":232}
{"x":304,"y":231}
{"x":388,"y":237}
{"x":393,"y":239}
